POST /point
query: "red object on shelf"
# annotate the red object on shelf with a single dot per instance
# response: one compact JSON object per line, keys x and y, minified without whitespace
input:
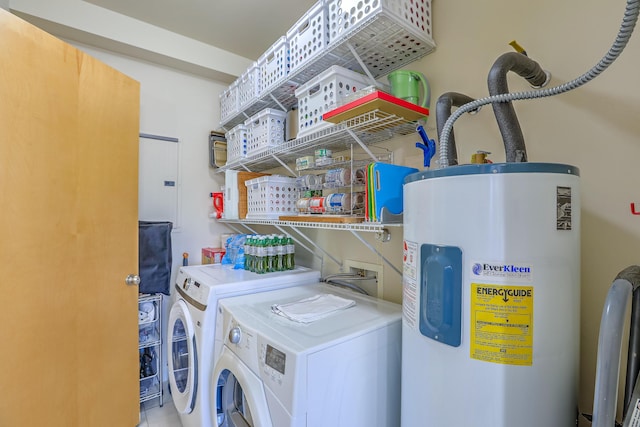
{"x":212,"y":255}
{"x":377,"y":100}
{"x":218,"y":204}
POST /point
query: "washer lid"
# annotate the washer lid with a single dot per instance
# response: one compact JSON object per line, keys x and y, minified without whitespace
{"x":255,"y":311}
{"x":224,"y":279}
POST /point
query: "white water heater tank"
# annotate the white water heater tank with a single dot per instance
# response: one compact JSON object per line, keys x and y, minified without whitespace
{"x":491,"y":296}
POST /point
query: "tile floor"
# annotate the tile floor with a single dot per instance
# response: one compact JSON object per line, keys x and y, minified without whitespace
{"x":152,"y":415}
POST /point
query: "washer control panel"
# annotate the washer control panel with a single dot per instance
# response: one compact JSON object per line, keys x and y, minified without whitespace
{"x":242,"y":341}
{"x":280,"y":369}
{"x":192,"y":290}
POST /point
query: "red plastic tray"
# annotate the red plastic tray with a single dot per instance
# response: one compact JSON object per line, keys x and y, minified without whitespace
{"x":377,"y":100}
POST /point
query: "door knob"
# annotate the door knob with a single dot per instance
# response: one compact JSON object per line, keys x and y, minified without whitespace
{"x":132,"y":279}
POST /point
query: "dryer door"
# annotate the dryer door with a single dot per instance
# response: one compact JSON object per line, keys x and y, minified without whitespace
{"x":239,"y":399}
{"x":183,"y":360}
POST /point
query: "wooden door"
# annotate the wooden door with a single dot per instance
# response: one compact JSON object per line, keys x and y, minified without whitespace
{"x":69,"y":129}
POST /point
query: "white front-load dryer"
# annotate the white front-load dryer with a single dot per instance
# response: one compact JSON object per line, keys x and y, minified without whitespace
{"x":340,"y":371}
{"x":192,"y":328}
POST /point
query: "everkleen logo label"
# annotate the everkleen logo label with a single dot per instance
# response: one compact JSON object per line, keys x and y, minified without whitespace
{"x":519,"y":272}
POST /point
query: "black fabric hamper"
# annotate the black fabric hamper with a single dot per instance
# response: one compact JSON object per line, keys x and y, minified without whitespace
{"x":154,"y":257}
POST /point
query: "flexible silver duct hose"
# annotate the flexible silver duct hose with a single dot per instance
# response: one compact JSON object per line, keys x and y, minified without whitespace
{"x":610,"y":345}
{"x":632,"y":275}
{"x":344,"y":283}
{"x":342,"y":279}
{"x":609,"y":349}
{"x":624,"y":34}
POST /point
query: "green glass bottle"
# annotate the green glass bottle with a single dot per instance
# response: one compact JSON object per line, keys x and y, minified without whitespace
{"x":270,"y":243}
{"x":247,"y":253}
{"x":280,"y":252}
{"x":290,"y":262}
{"x":261,"y":258}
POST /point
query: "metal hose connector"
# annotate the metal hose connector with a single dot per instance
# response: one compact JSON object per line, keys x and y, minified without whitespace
{"x":624,"y":34}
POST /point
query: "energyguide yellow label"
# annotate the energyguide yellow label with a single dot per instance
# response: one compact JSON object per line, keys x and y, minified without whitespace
{"x":502,"y":324}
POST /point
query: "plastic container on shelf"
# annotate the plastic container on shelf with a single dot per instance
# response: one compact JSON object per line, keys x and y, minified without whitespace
{"x":309,"y":182}
{"x":318,"y":204}
{"x":269,"y":197}
{"x":345,"y":203}
{"x":322,"y":94}
{"x":266,"y":129}
{"x":322,"y":156}
{"x":308,"y":38}
{"x":304,"y":162}
{"x":237,"y":140}
{"x":361,"y":93}
{"x":274,"y":64}
{"x":249,"y":86}
{"x":338,"y":177}
{"x":347,"y":15}
{"x":402,"y":30}
{"x":146,"y":312}
{"x":344,"y":177}
{"x":302,"y":204}
{"x":229,"y":106}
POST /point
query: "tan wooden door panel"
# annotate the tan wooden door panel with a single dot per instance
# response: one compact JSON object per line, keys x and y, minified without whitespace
{"x":68,"y":234}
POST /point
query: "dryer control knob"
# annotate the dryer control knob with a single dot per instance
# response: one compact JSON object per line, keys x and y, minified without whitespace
{"x":235,"y":335}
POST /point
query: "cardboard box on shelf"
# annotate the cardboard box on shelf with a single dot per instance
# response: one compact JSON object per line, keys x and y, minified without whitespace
{"x":212,"y":255}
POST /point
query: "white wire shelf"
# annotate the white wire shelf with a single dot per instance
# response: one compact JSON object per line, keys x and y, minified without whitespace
{"x":371,"y":128}
{"x":370,"y":227}
{"x":380,"y":43}
{"x":376,"y":46}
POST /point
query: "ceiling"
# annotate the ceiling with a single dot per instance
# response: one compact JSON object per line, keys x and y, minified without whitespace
{"x":243,"y":27}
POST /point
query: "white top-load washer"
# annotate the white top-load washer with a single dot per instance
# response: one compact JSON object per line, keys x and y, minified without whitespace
{"x":191,"y":328}
{"x":340,"y":371}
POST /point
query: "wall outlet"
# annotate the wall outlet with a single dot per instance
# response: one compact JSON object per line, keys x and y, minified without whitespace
{"x":367,"y":269}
